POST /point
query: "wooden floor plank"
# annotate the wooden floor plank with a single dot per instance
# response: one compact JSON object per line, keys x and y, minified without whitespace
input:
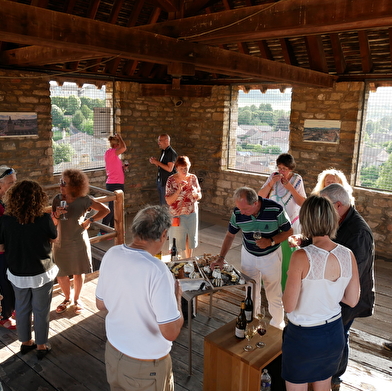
{"x":77,"y":360}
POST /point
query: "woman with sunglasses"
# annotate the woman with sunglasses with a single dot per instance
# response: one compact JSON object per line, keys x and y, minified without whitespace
{"x":286,"y":188}
{"x":7,"y":179}
{"x":72,"y":250}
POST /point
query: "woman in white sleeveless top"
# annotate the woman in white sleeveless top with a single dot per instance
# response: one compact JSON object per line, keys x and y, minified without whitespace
{"x":320,"y":276}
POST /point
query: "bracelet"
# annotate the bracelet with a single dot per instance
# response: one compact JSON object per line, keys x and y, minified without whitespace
{"x":221,"y":256}
{"x":53,"y":215}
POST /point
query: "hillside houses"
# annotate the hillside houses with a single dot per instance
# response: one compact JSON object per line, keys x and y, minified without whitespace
{"x":262,"y":135}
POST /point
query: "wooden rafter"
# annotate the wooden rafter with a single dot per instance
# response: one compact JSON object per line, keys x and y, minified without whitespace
{"x":338,"y":54}
{"x":284,"y":19}
{"x":288,"y":52}
{"x":58,"y":30}
{"x":316,"y":53}
{"x":265,"y":51}
{"x":364,"y":48}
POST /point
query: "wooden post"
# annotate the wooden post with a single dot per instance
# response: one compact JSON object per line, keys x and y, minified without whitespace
{"x":118,"y":211}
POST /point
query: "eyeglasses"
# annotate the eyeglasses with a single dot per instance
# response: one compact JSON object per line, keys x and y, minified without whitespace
{"x":9,"y":171}
{"x":63,"y":183}
{"x":282,"y":168}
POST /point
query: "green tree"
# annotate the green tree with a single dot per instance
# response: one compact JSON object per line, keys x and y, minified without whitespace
{"x":272,"y":149}
{"x":87,"y":112}
{"x":388,"y":146}
{"x":60,"y":101}
{"x":386,"y":124}
{"x":384,"y":181}
{"x":369,"y":176}
{"x":62,"y":153}
{"x":78,"y":119}
{"x":57,"y":116}
{"x":66,"y":123}
{"x":265,"y":107}
{"x":282,"y":123}
{"x":266,"y":117}
{"x":244,"y":117}
{"x":88,"y":126}
{"x":73,"y":104}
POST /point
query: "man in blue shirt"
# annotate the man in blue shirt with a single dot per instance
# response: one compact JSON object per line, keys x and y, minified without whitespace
{"x":261,"y":258}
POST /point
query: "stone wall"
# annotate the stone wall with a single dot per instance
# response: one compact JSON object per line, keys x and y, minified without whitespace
{"x":342,"y":103}
{"x":199,"y":129}
{"x":195,"y":128}
{"x":31,"y":156}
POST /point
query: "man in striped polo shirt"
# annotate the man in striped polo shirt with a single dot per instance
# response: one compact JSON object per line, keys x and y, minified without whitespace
{"x":260,"y":258}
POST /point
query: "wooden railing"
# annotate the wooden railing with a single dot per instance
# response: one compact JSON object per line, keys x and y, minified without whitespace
{"x":118,"y":232}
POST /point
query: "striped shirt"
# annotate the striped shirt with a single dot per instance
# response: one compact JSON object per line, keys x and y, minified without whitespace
{"x":271,"y":220}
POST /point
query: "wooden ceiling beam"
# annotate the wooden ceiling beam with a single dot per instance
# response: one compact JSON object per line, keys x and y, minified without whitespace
{"x":29,"y":25}
{"x":364,"y":47}
{"x":288,"y":52}
{"x":316,"y":53}
{"x":39,"y":56}
{"x":265,"y":51}
{"x":169,"y":5}
{"x":284,"y":19}
{"x":338,"y":55}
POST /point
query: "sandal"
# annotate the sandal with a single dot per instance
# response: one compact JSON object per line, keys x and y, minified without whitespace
{"x":8,"y":324}
{"x":63,"y":306}
{"x":78,"y":307}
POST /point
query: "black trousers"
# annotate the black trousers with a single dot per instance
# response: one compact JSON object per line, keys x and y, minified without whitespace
{"x":8,"y":302}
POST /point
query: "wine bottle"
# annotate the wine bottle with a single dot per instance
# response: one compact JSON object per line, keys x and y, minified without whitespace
{"x":249,"y":306}
{"x":173,"y":252}
{"x":240,"y":325}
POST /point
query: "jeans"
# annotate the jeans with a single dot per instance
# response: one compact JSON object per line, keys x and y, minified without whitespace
{"x":34,"y":301}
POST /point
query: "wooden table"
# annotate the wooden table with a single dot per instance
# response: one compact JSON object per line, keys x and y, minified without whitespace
{"x":227,"y":367}
{"x":190,"y":295}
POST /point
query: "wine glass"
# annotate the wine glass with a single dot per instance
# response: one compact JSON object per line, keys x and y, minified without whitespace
{"x":260,"y":315}
{"x":257,"y":235}
{"x":249,"y":333}
{"x":63,"y":204}
{"x":261,"y":328}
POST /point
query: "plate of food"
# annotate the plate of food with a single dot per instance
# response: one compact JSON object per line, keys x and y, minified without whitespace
{"x":187,"y":271}
{"x":226,"y":276}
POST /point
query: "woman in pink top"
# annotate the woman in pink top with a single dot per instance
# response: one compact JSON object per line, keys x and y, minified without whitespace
{"x":182,"y":193}
{"x":114,"y":171}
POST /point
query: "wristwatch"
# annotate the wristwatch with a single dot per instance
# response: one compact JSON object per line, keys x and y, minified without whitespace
{"x":272,"y":242}
{"x":91,"y":219}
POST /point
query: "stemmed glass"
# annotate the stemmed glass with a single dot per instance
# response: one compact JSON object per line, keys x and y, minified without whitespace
{"x":63,"y":204}
{"x":261,"y":328}
{"x":249,"y":333}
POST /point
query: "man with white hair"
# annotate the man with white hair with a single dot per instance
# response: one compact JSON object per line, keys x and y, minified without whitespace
{"x":261,"y":255}
{"x":144,"y":307}
{"x":355,"y":234}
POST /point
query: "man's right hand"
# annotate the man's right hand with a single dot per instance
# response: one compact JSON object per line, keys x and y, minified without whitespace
{"x":219,"y":263}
